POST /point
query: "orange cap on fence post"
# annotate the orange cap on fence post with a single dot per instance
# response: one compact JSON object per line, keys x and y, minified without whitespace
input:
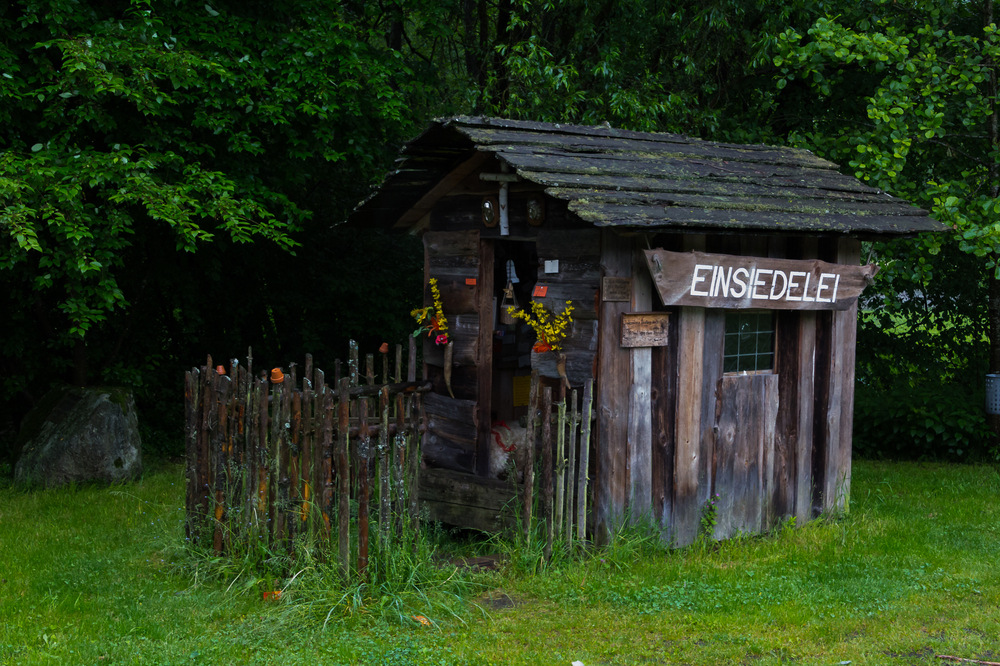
{"x":384,"y":348}
{"x":277,"y":376}
{"x":220,"y":370}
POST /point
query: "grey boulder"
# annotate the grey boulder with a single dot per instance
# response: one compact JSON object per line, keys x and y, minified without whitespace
{"x":79,"y":435}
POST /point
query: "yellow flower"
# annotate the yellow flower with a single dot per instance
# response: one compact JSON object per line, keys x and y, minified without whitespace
{"x":550,"y":329}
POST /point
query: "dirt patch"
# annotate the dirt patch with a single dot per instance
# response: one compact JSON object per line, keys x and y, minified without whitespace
{"x":497,"y":600}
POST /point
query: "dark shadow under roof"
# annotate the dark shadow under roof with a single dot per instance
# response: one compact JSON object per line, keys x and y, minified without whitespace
{"x":639,"y":180}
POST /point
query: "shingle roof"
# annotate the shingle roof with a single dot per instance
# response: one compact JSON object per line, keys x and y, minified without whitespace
{"x":620,"y":178}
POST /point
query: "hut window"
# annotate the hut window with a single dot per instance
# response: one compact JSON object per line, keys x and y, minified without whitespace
{"x":749,"y":345}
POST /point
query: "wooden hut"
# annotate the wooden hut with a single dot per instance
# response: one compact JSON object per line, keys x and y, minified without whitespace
{"x":715,"y":289}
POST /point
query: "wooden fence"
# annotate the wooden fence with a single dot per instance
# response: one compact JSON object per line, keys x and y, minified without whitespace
{"x":564,"y":446}
{"x":305,"y":463}
{"x":277,"y":465}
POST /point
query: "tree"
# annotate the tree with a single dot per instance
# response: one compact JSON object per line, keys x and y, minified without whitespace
{"x":134,"y":135}
{"x":911,"y":108}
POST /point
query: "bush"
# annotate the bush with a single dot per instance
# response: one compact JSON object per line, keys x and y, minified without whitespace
{"x":926,"y":421}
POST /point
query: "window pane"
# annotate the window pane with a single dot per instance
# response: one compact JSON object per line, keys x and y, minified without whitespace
{"x":749,"y":341}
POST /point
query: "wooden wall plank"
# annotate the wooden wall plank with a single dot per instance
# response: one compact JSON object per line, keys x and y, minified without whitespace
{"x":806,"y":397}
{"x":613,"y":381}
{"x":485,"y":302}
{"x":711,"y":373}
{"x":687,"y":439}
{"x":640,"y":436}
{"x":846,"y":322}
{"x":748,"y":406}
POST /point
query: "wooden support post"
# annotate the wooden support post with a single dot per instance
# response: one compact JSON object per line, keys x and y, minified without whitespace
{"x":529,"y":460}
{"x":559,"y":464}
{"x":581,"y":492}
{"x":344,"y":478}
{"x":384,"y":467}
{"x":614,"y":376}
{"x":484,"y":356}
{"x":547,"y":468}
{"x":571,"y":473}
{"x":640,"y":429}
{"x":845,"y":339}
{"x":687,"y":448}
{"x":364,"y":485}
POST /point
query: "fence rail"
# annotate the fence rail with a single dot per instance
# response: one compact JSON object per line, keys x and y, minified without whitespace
{"x":316,"y":465}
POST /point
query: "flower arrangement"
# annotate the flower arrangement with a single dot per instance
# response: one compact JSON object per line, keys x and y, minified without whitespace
{"x":431,"y":319}
{"x":550,"y":328}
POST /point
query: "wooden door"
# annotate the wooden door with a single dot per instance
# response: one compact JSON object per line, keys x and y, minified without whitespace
{"x":742,"y":467}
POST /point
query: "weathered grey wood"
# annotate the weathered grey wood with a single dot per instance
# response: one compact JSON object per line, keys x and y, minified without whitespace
{"x":343,"y":481}
{"x":848,"y":252}
{"x":385,"y":466}
{"x":547,"y":471}
{"x":613,"y":380}
{"x":786,"y":365}
{"x":467,"y":500}
{"x":640,"y":436}
{"x":748,"y":406}
{"x":443,"y":186}
{"x":806,"y":398}
{"x":529,"y":462}
{"x":361,"y":462}
{"x":590,"y":166}
{"x":559,"y":467}
{"x":738,"y":199}
{"x":571,"y":470}
{"x":586,"y":412}
{"x":728,"y":281}
{"x":711,"y":373}
{"x":678,"y":217}
{"x":580,"y":347}
{"x":464,"y":331}
{"x":484,"y":355}
{"x":687,"y":440}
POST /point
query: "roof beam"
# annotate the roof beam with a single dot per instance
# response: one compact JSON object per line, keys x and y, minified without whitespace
{"x":427,"y":202}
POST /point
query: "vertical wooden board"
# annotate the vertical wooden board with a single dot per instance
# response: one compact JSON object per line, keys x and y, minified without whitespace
{"x":748,"y":406}
{"x":686,"y":516}
{"x":484,"y":355}
{"x":821,"y":402}
{"x":787,"y":357}
{"x":806,"y":432}
{"x":714,"y":344}
{"x":640,"y":436}
{"x":613,"y":381}
{"x":662,"y":404}
{"x":848,"y":252}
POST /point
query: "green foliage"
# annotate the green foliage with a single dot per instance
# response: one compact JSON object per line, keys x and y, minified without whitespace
{"x":921,"y":421}
{"x":158,"y":164}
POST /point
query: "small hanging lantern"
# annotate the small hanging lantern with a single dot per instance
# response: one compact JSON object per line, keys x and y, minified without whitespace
{"x":491,"y":212}
{"x":536,"y":211}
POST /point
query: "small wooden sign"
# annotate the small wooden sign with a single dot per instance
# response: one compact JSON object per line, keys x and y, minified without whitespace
{"x":728,"y":281}
{"x":645,"y":329}
{"x":616,"y":289}
{"x":471,"y":282}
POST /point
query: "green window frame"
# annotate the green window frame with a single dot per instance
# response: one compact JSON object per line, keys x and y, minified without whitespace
{"x":749,"y":341}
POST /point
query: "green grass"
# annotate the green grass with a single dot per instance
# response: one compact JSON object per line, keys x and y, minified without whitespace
{"x":100,"y":575}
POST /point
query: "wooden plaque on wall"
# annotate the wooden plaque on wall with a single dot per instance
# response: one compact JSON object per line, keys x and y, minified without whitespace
{"x":645,"y":329}
{"x":616,"y":289}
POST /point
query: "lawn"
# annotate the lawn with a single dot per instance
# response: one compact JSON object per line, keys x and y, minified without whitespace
{"x":101,"y":575}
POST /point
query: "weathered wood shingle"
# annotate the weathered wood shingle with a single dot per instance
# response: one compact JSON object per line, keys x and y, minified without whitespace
{"x":619,"y":178}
